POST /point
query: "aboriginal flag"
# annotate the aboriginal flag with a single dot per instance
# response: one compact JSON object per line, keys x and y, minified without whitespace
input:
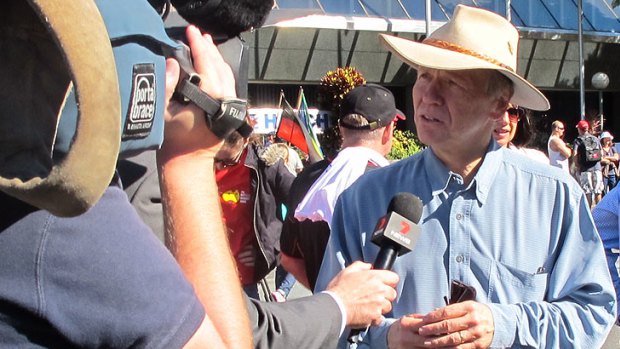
{"x":289,"y":127}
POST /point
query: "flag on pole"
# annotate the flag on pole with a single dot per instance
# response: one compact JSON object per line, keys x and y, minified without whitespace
{"x":314,"y":147}
{"x":289,"y":127}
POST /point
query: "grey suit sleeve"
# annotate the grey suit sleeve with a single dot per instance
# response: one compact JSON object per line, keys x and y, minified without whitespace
{"x":309,"y":322}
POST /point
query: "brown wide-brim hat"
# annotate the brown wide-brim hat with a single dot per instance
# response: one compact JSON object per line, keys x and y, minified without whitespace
{"x":472,"y":39}
{"x":48,"y":47}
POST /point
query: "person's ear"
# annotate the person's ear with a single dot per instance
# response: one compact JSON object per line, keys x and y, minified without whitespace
{"x":388,"y":132}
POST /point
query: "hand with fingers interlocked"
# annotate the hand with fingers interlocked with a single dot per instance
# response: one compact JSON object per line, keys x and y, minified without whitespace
{"x":462,"y":325}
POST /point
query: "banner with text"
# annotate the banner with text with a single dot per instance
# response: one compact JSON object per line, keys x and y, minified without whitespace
{"x":266,"y":119}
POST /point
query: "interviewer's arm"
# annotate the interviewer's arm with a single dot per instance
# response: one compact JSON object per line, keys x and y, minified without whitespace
{"x":195,"y":232}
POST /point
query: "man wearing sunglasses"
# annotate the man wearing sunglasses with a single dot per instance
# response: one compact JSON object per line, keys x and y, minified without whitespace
{"x":559,"y":152}
{"x":251,"y":192}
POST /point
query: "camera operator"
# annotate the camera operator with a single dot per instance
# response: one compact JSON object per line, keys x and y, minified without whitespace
{"x":97,"y":277}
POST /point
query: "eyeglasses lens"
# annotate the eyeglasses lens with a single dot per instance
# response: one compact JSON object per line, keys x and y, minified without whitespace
{"x":515,"y":113}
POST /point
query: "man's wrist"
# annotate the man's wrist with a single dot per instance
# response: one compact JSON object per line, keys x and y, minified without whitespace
{"x":343,"y":309}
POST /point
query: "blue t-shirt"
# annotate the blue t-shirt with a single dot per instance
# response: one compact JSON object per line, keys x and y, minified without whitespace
{"x":606,"y":216}
{"x":98,"y":280}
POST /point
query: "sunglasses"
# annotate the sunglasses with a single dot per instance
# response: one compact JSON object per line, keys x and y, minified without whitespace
{"x":225,"y":163}
{"x":515,"y":113}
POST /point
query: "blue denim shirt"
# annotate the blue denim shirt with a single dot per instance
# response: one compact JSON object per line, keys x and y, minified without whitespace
{"x":521,"y":233}
{"x":606,"y":216}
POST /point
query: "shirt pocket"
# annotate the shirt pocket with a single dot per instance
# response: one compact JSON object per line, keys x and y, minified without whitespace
{"x":511,"y":285}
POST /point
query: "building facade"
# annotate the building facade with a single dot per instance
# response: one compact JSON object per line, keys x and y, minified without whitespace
{"x":303,"y":39}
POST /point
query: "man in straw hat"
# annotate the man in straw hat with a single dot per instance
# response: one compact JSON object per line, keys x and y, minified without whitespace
{"x":516,"y":234}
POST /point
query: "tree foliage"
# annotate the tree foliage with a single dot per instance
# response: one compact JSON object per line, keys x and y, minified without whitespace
{"x":615,"y":3}
{"x":404,"y":144}
{"x":334,"y":86}
{"x":337,"y":83}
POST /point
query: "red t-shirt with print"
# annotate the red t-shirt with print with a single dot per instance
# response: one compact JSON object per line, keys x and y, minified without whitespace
{"x":235,"y":197}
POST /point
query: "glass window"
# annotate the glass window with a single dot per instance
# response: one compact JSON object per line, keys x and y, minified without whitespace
{"x":533,"y":14}
{"x":344,"y":7}
{"x":449,"y":5}
{"x":560,"y":14}
{"x":515,"y":18}
{"x":298,"y":4}
{"x":616,"y":10}
{"x":565,"y":13}
{"x":600,"y":15}
{"x":417,"y":10}
{"x":383,"y":8}
{"x":497,"y":6}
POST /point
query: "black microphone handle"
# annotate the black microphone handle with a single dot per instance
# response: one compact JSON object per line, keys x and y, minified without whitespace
{"x":384,"y":261}
{"x":386,"y":257}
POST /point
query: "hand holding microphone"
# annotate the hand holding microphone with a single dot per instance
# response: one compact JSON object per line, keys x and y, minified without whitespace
{"x":365,"y":293}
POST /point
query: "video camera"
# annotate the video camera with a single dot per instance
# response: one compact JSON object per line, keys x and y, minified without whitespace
{"x":141,"y":42}
{"x":222,"y":116}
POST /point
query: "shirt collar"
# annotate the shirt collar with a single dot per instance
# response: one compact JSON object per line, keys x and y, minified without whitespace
{"x":439,"y":175}
{"x":488,"y":170}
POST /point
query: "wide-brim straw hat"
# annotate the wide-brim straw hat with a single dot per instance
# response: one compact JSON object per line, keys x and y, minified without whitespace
{"x":472,"y":39}
{"x":48,"y":46}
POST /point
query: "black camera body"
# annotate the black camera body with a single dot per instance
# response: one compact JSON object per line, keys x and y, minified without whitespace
{"x":222,"y":116}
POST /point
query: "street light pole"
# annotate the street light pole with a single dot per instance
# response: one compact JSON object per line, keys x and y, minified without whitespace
{"x":600,"y":81}
{"x":428,"y":17}
{"x":582,"y":96}
{"x":508,"y":10}
{"x":600,"y":106}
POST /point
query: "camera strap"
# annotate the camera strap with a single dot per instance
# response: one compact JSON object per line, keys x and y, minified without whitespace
{"x":223,"y":117}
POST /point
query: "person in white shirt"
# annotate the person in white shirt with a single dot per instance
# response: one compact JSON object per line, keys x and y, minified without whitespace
{"x":367,"y":116}
{"x":559,"y":152}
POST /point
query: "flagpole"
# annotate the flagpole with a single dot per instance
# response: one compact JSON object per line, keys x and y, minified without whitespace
{"x":314,"y":148}
{"x":288,"y":143}
{"x":281,"y":96}
{"x":280,"y":108}
{"x":298,"y":105}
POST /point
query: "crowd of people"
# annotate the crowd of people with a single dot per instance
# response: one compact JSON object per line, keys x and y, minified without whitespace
{"x":596,"y":176}
{"x":170,"y":249}
{"x":592,"y":160}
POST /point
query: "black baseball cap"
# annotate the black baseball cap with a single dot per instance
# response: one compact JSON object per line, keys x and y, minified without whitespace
{"x":374,"y":102}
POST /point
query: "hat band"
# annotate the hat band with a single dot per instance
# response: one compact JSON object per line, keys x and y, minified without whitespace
{"x":456,"y":48}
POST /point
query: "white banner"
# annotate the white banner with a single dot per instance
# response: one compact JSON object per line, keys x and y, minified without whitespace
{"x":267,"y":119}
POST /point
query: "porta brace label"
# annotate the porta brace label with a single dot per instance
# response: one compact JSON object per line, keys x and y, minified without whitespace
{"x":141,"y":110}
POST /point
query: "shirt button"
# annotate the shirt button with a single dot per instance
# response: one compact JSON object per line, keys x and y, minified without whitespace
{"x":459,"y":216}
{"x":459,"y":259}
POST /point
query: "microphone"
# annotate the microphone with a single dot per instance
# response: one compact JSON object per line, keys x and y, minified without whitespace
{"x":396,"y":233}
